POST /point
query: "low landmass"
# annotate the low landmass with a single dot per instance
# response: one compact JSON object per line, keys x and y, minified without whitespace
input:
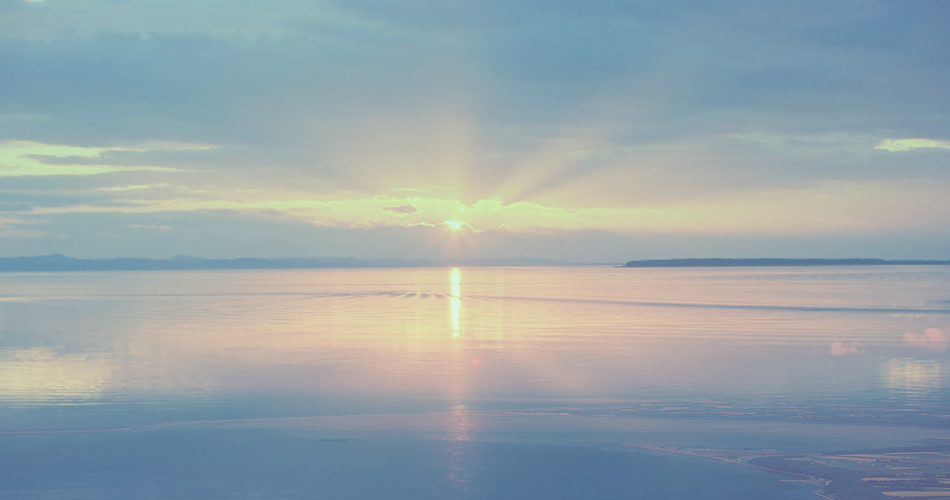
{"x":59,"y":262}
{"x":780,"y":262}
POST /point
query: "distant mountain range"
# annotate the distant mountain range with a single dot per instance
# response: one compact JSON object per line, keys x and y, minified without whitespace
{"x":58,"y":262}
{"x":780,"y":262}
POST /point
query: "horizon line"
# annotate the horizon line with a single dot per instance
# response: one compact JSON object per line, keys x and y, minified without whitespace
{"x":59,"y":262}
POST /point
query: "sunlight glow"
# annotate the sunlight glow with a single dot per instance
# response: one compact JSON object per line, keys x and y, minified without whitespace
{"x":454,"y":225}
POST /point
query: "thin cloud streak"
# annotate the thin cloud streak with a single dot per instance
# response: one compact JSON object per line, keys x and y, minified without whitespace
{"x":895,"y":145}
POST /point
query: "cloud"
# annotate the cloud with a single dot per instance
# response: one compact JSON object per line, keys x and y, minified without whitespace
{"x":12,"y":227}
{"x":129,"y":188}
{"x":895,"y":145}
{"x":402,"y":209}
{"x":839,"y":348}
{"x":933,"y":339}
{"x":28,"y":158}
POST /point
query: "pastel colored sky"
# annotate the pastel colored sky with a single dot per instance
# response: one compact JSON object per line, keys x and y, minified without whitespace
{"x":588,"y":131}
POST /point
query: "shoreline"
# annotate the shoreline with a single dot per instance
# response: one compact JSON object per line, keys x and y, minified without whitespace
{"x":688,"y":453}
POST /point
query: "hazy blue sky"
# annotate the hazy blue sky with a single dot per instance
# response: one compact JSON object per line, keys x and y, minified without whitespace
{"x":592,"y":131}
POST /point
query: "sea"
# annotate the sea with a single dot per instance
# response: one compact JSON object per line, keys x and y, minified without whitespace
{"x":471,"y":382}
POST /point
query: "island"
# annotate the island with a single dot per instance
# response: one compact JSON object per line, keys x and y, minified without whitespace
{"x":774,"y":262}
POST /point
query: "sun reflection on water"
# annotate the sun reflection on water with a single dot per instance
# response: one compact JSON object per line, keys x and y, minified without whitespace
{"x":459,"y":462}
{"x":455,"y":300}
{"x":523,"y":332}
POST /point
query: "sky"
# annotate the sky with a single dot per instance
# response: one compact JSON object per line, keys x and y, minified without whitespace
{"x":598,"y":131}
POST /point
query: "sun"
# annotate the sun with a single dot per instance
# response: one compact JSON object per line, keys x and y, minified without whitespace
{"x":453,"y":224}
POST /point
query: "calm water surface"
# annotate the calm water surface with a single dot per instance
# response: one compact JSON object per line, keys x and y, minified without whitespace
{"x":465,"y":383}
